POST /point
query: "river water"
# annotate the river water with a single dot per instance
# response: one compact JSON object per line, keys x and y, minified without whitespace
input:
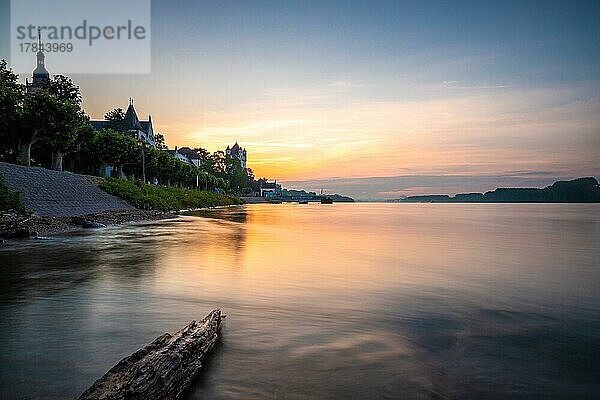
{"x":432,"y":301}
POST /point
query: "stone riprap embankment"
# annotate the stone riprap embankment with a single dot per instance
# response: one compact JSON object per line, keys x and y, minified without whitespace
{"x":59,"y":194}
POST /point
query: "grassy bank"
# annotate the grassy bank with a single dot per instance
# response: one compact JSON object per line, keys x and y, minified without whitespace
{"x":10,"y":201}
{"x":153,"y":197}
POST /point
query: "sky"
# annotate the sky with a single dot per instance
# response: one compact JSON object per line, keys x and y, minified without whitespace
{"x":426,"y":97}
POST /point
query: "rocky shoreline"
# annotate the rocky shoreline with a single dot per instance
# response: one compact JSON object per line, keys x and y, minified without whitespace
{"x":13,"y":225}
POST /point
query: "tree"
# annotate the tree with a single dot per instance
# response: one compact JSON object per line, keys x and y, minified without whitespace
{"x":217,"y":163}
{"x":11,"y":99}
{"x":50,"y":116}
{"x":38,"y":117}
{"x":205,"y":158}
{"x":159,"y":139}
{"x":81,"y":154}
{"x":250,"y":183}
{"x":116,"y":120}
{"x":235,"y":174}
{"x":185,"y":174}
{"x":62,"y":136}
{"x":166,"y":166}
{"x":115,"y":148}
{"x":152,"y":164}
{"x":64,"y":89}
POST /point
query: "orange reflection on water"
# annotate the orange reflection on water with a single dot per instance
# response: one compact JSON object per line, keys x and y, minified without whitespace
{"x":292,"y":251}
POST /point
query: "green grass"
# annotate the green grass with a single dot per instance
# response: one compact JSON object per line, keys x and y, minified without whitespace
{"x":10,"y":201}
{"x":163,"y":198}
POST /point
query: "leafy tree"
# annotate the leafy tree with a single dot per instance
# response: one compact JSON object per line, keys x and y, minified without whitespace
{"x":50,"y":116}
{"x":159,"y":139}
{"x":166,"y":166}
{"x":185,"y":174}
{"x":115,"y":148}
{"x":116,"y":120}
{"x":151,"y":164}
{"x":235,"y":174}
{"x":38,"y":117}
{"x":250,"y":175}
{"x":81,"y":154}
{"x":218,"y":163}
{"x":11,"y":98}
{"x":62,"y":138}
{"x":251,"y":181}
{"x":205,"y":157}
{"x":64,"y":89}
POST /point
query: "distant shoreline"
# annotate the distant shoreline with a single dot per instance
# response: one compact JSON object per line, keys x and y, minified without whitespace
{"x":581,"y":190}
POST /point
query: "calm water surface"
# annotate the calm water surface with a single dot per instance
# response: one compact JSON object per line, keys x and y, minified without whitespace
{"x":429,"y":301}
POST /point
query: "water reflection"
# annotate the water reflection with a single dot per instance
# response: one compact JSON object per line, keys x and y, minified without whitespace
{"x":233,"y":214}
{"x":350,"y":300}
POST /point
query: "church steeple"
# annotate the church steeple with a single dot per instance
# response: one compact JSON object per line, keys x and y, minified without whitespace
{"x":40,"y":53}
{"x":40,"y":74}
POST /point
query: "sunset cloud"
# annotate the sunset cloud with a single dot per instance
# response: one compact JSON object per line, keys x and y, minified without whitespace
{"x":477,"y":133}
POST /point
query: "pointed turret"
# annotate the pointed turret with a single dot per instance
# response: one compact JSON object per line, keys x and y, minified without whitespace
{"x":131,"y":119}
{"x":41,"y":76}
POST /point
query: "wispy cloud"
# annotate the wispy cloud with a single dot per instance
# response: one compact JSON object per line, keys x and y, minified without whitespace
{"x":477,"y":133}
{"x":280,"y":145}
{"x":456,"y":85}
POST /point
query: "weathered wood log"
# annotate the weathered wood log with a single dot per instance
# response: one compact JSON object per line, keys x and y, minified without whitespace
{"x":161,"y":370}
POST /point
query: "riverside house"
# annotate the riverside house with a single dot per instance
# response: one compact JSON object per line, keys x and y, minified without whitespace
{"x":180,"y":155}
{"x":142,"y":131}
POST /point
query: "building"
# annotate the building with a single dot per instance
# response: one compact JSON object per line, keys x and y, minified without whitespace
{"x":40,"y":76}
{"x":192,"y":155}
{"x":181,"y":156}
{"x":237,"y":152}
{"x":269,"y":189}
{"x":142,"y":131}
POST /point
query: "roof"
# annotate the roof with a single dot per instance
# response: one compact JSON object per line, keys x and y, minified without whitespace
{"x":268,"y":185}
{"x":145,"y":125}
{"x":131,"y":118}
{"x":99,"y":125}
{"x":41,"y":71}
{"x":191,"y":154}
{"x":176,"y":153}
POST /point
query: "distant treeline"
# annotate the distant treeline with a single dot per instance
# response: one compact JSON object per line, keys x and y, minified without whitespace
{"x":581,"y":190}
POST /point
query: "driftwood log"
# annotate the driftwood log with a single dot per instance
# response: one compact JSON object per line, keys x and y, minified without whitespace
{"x":161,"y":370}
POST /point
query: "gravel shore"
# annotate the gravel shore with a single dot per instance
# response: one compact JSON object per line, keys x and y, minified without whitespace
{"x":45,"y":226}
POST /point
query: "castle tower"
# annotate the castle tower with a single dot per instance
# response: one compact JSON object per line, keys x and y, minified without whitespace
{"x":238,"y":152}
